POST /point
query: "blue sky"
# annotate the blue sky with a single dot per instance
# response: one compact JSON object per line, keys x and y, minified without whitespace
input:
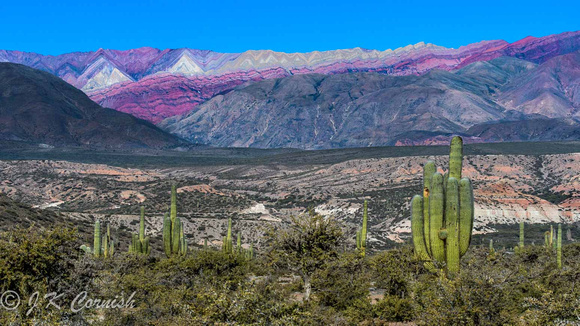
{"x":290,"y":26}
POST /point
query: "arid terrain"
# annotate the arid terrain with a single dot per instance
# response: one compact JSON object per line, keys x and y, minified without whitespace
{"x":536,"y":189}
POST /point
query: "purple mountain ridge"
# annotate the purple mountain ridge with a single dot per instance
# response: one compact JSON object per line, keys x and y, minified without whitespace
{"x":154,"y":84}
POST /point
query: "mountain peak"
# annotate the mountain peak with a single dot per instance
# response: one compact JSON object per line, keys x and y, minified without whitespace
{"x":36,"y":106}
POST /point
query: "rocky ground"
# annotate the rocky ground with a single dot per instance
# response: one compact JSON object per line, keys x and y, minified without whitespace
{"x":508,"y":189}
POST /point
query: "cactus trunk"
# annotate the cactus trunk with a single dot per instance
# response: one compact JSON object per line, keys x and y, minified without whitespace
{"x":452,"y":225}
{"x":559,"y":247}
{"x":436,"y":211}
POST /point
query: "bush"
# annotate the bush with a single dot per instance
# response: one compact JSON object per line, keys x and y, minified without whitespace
{"x":212,"y":287}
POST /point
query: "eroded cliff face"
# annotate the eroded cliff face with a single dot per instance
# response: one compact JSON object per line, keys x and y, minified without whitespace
{"x":508,"y":189}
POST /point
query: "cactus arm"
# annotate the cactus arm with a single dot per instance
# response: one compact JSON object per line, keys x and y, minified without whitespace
{"x":363,"y":234}
{"x":428,"y":172}
{"x":146,"y":248}
{"x":456,"y":158}
{"x":358,"y":246}
{"x":436,"y":211}
{"x":183,"y":239}
{"x":417,"y":227}
{"x":466,"y":214}
{"x":97,"y":240}
{"x":452,"y":225}
{"x":106,"y":238}
{"x":167,"y":235}
{"x":142,"y":224}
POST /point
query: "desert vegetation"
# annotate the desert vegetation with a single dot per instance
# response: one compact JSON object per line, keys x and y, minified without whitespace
{"x":308,"y":274}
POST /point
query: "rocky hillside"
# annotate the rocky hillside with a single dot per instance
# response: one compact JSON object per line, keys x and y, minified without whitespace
{"x":38,"y":107}
{"x":154,"y":84}
{"x":484,"y":101}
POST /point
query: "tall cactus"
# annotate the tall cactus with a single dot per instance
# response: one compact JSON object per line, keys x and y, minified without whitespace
{"x":103,"y":246}
{"x":108,"y":248}
{"x":554,"y":240}
{"x":174,"y":241}
{"x":228,"y":241}
{"x":361,"y":242}
{"x":442,"y":219}
{"x":549,"y":239}
{"x":521,"y":234}
{"x":559,"y":247}
{"x":139,"y":242}
{"x":97,"y":240}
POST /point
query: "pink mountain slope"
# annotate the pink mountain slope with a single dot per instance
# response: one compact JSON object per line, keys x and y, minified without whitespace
{"x":154,"y":84}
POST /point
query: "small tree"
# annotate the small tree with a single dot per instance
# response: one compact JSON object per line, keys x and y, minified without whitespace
{"x":310,"y":241}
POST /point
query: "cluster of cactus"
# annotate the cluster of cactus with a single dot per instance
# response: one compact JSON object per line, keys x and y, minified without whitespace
{"x":139,"y":242}
{"x":361,"y":235}
{"x":442,"y":219}
{"x":102,"y":246}
{"x":549,"y":239}
{"x":228,"y":247}
{"x":250,"y":252}
{"x":554,"y":241}
{"x":174,"y":242}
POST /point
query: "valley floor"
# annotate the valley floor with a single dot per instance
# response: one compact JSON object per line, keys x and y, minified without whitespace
{"x":257,"y":187}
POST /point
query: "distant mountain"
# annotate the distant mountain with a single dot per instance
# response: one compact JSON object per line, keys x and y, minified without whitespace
{"x":504,"y":99}
{"x":36,"y":106}
{"x":154,"y":84}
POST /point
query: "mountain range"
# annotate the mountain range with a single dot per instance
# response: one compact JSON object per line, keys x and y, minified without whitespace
{"x":419,"y":94}
{"x":155,"y":84}
{"x":504,"y":99}
{"x":38,"y":107}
